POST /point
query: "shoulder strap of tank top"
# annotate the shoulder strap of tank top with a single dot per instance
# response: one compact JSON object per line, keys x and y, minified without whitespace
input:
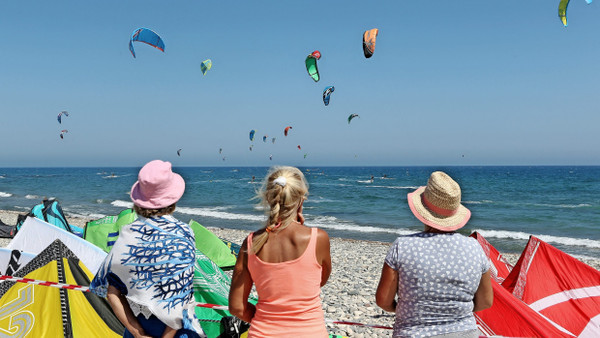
{"x":250,"y":252}
{"x":312,"y":244}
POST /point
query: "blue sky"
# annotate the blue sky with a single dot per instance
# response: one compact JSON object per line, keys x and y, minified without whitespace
{"x":498,"y":82}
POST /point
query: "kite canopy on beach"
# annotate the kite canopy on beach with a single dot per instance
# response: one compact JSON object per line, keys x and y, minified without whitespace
{"x":146,"y":36}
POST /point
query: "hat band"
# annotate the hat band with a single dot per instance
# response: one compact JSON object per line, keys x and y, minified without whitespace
{"x":436,"y":209}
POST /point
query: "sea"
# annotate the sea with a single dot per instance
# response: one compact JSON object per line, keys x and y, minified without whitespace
{"x":558,"y":204}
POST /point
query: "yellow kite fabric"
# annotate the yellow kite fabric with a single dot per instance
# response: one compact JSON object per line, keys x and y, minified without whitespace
{"x":28,"y":310}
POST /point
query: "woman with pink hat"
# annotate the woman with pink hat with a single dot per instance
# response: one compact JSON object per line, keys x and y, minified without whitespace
{"x":148,"y":275}
{"x":440,"y":277}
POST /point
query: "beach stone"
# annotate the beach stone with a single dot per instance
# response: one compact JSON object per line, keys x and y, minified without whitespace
{"x":331,"y":309}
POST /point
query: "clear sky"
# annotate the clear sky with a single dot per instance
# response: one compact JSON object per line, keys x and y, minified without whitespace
{"x":451,"y":83}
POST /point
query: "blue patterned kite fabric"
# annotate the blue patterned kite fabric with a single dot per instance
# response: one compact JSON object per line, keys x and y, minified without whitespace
{"x":147,"y":36}
{"x":154,"y":259}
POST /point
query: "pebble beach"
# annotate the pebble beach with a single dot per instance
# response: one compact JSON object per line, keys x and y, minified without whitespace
{"x":349,"y":293}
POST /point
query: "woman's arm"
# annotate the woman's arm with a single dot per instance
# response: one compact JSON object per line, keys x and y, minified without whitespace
{"x":324,"y":255}
{"x":241,"y":284}
{"x":484,"y":296}
{"x":121,"y":308}
{"x":387,"y":289}
{"x":168,"y":332}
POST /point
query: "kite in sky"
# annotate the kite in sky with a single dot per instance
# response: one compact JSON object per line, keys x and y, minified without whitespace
{"x":311,"y":65}
{"x":351,"y":117}
{"x":59,"y":117}
{"x":220,"y":150}
{"x":265,"y":138}
{"x":179,"y":152}
{"x":369,"y":38}
{"x":146,"y":36}
{"x":327,"y":93}
{"x":205,"y":66}
{"x":285,"y":131}
{"x":62,"y":133}
{"x":273,"y":140}
{"x":299,"y":148}
{"x":252,"y":132}
{"x":562,"y":10}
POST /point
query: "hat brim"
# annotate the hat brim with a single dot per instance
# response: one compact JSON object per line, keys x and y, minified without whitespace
{"x":168,"y":197}
{"x":437,"y":221}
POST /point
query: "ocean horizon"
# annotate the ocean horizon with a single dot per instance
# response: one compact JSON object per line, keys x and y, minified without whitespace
{"x":556,"y":203}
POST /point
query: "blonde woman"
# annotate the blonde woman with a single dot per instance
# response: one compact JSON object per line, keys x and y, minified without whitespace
{"x":287,"y":261}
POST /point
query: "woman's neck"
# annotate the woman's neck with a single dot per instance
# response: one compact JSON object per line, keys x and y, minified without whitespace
{"x":436,"y":231}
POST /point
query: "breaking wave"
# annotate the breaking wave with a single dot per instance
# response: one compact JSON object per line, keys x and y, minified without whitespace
{"x":503,"y":234}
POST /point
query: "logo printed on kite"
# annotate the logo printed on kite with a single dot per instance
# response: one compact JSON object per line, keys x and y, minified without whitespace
{"x":20,"y":321}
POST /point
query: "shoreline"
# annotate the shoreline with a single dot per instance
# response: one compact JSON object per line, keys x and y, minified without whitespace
{"x":349,"y":294}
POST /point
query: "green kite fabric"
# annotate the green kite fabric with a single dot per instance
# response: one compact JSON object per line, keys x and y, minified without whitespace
{"x":212,"y":246}
{"x":104,"y":232}
{"x":211,"y":285}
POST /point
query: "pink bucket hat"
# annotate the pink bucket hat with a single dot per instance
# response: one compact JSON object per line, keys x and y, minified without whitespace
{"x":438,"y":203}
{"x":157,"y":186}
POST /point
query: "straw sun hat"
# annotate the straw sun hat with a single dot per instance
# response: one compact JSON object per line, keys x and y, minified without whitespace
{"x":438,"y":203}
{"x":157,"y":186}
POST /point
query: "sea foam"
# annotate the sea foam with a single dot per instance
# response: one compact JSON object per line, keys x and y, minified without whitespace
{"x":5,"y":194}
{"x":122,"y":204}
{"x":217,"y":212}
{"x":330,"y":222}
{"x":585,"y":242}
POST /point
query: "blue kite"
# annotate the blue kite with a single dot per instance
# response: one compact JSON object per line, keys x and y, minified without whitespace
{"x":327,"y":93}
{"x":146,"y":36}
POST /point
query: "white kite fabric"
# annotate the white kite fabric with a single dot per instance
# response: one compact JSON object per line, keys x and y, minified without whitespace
{"x":36,"y":235}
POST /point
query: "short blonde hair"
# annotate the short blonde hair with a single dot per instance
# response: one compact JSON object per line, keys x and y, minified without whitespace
{"x":281,"y":201}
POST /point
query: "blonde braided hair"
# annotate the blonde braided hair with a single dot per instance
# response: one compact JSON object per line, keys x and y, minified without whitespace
{"x":282,"y":193}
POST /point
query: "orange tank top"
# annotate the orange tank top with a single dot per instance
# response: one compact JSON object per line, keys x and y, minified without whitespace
{"x":288,"y":295}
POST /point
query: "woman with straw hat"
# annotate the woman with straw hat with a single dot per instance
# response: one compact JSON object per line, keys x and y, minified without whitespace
{"x":148,"y":275}
{"x":440,"y":277}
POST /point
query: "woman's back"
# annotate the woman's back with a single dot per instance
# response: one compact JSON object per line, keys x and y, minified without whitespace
{"x":287,"y":279}
{"x":439,"y":274}
{"x":286,"y":245}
